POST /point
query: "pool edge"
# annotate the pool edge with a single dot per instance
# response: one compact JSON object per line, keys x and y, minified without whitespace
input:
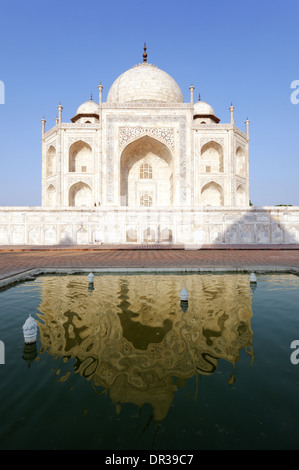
{"x":31,"y":274}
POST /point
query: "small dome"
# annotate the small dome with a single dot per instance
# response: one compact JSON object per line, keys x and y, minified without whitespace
{"x":145,"y":82}
{"x":203,"y":109}
{"x":89,"y":107}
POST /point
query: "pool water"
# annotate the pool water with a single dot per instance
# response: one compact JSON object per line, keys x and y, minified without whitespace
{"x":124,"y":365}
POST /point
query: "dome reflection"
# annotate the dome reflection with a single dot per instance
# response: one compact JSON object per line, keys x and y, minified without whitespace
{"x":131,"y":336}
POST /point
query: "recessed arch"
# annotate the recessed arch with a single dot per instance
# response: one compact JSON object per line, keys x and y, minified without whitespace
{"x":240,"y":196}
{"x":211,"y":157}
{"x":149,"y":235}
{"x":51,"y":161}
{"x":80,"y":157}
{"x":51,"y":196}
{"x":80,"y":194}
{"x":146,"y":153}
{"x":131,"y":235}
{"x":240,"y":162}
{"x":212,"y":195}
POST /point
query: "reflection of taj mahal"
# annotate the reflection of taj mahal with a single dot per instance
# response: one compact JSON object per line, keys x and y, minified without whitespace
{"x":131,"y":336}
{"x":145,"y":147}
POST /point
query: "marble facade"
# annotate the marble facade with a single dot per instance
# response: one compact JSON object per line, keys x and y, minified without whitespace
{"x":145,"y":147}
{"x":189,"y":227}
{"x":146,"y":167}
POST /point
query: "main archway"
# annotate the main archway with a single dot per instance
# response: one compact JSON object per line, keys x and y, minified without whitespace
{"x":146,"y":174}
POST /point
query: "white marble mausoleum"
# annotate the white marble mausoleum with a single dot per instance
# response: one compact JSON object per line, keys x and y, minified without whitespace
{"x":146,"y":167}
{"x":145,"y":147}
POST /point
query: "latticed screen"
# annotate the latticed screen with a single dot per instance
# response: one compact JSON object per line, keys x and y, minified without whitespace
{"x":146,"y":171}
{"x":146,"y":200}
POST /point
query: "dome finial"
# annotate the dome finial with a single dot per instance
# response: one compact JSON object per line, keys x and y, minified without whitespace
{"x":90,"y":96}
{"x":199,"y":97}
{"x":144,"y":54}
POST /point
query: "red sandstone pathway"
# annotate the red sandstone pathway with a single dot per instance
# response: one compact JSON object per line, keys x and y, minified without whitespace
{"x":14,"y":262}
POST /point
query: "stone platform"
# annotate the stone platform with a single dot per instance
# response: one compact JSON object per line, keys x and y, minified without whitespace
{"x":176,"y":227}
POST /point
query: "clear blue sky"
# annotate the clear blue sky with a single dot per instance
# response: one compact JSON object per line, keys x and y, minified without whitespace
{"x":245,"y":52}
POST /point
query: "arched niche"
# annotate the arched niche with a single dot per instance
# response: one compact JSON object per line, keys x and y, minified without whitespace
{"x":131,"y":235}
{"x":212,"y":195}
{"x":211,"y":158}
{"x":166,"y":235}
{"x":146,"y":153}
{"x":149,"y":235}
{"x":51,"y":196}
{"x":51,"y":162}
{"x":80,"y":158}
{"x":80,"y":194}
{"x":241,"y":196}
{"x":240,"y":162}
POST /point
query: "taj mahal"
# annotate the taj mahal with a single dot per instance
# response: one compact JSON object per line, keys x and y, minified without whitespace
{"x":145,"y":147}
{"x":146,"y":167}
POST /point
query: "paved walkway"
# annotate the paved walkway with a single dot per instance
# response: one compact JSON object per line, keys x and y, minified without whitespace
{"x":18,"y":261}
{"x":149,"y":246}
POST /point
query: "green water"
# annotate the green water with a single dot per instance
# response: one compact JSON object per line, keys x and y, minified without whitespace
{"x":124,"y":366}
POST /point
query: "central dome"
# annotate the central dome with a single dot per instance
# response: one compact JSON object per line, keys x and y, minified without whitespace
{"x":145,"y":82}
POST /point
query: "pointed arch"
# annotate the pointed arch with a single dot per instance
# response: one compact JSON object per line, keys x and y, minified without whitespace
{"x":80,"y":157}
{"x":146,"y":166}
{"x":212,"y":157}
{"x":212,"y":195}
{"x":51,"y":161}
{"x":240,"y":196}
{"x":240,"y":162}
{"x":80,"y":194}
{"x":51,"y":196}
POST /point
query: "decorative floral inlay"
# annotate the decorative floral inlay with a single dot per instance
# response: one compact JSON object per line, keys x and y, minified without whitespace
{"x":126,"y":134}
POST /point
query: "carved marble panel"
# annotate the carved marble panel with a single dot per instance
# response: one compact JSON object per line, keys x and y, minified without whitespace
{"x":128,"y":134}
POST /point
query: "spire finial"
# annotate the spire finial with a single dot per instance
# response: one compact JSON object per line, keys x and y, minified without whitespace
{"x":199,"y":97}
{"x":144,"y":53}
{"x":232,"y":121}
{"x":90,"y":96}
{"x":191,"y":92}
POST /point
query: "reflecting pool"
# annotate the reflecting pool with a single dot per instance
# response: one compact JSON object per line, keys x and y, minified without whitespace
{"x":124,"y":364}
